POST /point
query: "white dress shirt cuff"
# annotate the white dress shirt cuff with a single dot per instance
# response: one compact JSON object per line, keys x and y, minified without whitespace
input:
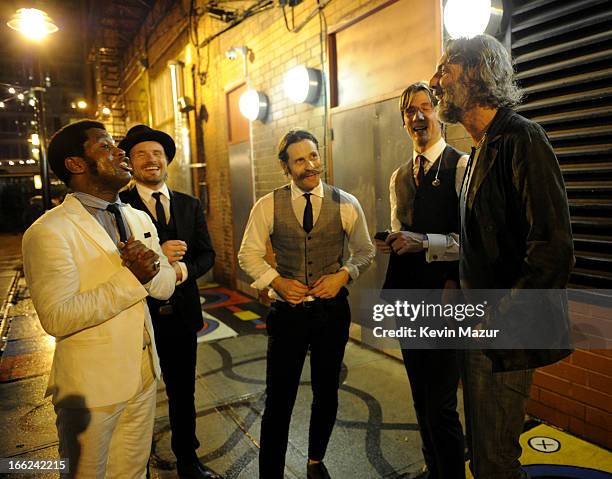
{"x":352,"y":270}
{"x":265,"y":279}
{"x":437,"y":247}
{"x":184,"y":272}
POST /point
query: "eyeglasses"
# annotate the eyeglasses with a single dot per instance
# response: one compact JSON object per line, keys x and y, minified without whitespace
{"x":425,"y":108}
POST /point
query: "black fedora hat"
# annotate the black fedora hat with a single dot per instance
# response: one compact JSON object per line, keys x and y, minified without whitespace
{"x":139,"y":133}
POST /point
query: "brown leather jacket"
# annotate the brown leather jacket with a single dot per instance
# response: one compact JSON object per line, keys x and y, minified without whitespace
{"x":516,"y":232}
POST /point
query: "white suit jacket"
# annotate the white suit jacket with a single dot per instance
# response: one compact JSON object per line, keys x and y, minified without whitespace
{"x":94,"y":306}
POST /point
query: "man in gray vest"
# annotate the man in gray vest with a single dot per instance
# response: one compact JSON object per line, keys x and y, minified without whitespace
{"x":424,"y":248}
{"x":307,"y":222}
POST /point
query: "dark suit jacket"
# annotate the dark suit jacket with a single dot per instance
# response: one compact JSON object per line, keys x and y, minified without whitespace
{"x":516,"y":233}
{"x":200,"y":257}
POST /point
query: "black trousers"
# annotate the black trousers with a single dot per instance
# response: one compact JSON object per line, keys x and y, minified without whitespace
{"x":434,"y":377}
{"x":177,"y":350}
{"x":321,"y":328}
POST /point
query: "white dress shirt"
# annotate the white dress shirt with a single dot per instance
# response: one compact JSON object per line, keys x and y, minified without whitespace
{"x":441,"y":247}
{"x":261,"y":225}
{"x":146,"y":195}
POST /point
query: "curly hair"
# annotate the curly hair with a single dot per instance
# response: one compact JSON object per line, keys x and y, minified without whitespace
{"x":488,"y":70}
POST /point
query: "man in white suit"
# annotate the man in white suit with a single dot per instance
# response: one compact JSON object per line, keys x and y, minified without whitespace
{"x":90,"y":263}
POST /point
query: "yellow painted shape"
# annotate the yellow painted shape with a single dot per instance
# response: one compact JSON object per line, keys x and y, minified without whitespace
{"x":573,"y":451}
{"x":247,"y":315}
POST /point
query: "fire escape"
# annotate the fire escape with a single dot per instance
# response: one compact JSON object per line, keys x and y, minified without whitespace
{"x":112,"y":26}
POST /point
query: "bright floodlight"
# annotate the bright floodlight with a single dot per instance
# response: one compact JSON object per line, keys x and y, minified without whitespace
{"x":81,"y":104}
{"x":11,"y":90}
{"x":35,"y":139}
{"x":2,"y":105}
{"x":32,"y":23}
{"x":253,"y":105}
{"x":302,"y":85}
{"x":106,"y":111}
{"x":466,"y":18}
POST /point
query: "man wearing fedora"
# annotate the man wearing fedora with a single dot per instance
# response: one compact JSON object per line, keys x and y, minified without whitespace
{"x":184,"y":239}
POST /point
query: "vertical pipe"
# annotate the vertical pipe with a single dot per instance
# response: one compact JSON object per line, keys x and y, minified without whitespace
{"x":42,"y":132}
{"x":245,"y":57}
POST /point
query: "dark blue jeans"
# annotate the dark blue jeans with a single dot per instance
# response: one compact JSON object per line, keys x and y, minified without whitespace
{"x":321,"y":328}
{"x":495,"y":415}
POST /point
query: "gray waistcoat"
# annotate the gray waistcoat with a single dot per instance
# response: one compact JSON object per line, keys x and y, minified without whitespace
{"x":307,"y":257}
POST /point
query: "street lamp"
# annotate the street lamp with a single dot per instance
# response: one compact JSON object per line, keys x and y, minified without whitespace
{"x":32,"y":23}
{"x":35,"y":25}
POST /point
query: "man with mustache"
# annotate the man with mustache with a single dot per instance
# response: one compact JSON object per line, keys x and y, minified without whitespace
{"x":424,"y":248}
{"x":515,"y":235}
{"x":184,"y":239}
{"x":90,"y":263}
{"x":307,"y":222}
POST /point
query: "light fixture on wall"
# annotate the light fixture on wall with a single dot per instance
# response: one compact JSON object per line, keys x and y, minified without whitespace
{"x":253,"y":105}
{"x":302,"y":84}
{"x":186,"y":104}
{"x":468,"y":18}
{"x":233,"y":52}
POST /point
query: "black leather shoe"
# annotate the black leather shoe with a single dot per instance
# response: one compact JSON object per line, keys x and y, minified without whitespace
{"x":317,"y":471}
{"x":195,"y":470}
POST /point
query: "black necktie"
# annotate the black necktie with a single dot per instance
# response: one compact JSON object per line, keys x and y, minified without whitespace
{"x":307,"y":222}
{"x":421,"y":173}
{"x":159,"y":209}
{"x":114,"y":209}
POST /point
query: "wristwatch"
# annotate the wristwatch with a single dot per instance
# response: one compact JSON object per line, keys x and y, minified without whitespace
{"x":425,"y":242}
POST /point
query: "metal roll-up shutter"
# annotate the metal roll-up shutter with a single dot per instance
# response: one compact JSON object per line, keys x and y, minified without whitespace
{"x":563,"y":57}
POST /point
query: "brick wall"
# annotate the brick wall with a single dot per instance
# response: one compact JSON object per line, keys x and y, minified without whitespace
{"x":576,"y":393}
{"x":274,"y":51}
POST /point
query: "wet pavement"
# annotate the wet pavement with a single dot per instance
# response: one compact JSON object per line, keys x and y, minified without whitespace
{"x":375,"y":436}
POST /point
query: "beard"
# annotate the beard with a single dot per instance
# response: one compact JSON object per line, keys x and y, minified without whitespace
{"x":454,"y":103}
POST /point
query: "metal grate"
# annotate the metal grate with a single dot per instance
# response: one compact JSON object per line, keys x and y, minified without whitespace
{"x":563,"y":57}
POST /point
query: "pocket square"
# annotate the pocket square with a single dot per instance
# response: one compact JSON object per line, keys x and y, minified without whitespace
{"x":147,"y":235}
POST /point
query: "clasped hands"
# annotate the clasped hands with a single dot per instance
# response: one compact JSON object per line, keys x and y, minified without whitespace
{"x":326,"y":287}
{"x":175,"y":251}
{"x":140,"y":260}
{"x":401,"y":242}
